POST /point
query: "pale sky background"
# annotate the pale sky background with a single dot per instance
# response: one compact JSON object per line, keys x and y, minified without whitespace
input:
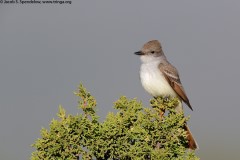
{"x":47,"y":50}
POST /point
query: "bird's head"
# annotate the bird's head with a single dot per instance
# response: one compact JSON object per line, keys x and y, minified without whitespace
{"x":150,"y":51}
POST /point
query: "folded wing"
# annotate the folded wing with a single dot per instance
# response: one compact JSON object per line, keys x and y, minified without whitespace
{"x":171,"y":75}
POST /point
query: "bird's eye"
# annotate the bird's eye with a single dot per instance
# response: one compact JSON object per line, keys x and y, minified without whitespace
{"x":152,"y":52}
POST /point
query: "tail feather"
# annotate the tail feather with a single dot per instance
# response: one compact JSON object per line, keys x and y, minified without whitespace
{"x":192,"y":144}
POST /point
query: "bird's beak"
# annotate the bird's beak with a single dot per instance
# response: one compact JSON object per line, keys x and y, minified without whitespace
{"x":139,"y":53}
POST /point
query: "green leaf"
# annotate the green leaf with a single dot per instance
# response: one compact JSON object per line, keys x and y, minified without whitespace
{"x":133,"y":132}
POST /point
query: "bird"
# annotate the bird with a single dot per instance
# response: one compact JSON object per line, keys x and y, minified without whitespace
{"x":160,"y":78}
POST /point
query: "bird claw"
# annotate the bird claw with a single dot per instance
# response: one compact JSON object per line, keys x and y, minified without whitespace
{"x":166,"y":98}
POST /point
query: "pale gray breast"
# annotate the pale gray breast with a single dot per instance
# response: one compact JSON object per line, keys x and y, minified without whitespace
{"x":153,"y":81}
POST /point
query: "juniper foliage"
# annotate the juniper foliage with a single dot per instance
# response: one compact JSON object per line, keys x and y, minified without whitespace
{"x":134,"y":132}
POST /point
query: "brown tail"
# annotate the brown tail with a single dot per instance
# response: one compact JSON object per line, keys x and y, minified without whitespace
{"x":192,"y":144}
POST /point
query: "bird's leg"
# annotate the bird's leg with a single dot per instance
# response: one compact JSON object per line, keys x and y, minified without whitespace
{"x":166,"y":98}
{"x":162,"y":111}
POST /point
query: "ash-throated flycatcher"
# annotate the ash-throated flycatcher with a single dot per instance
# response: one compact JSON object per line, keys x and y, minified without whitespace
{"x":160,"y":78}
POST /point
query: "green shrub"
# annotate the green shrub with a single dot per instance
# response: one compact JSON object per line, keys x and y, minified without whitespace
{"x":134,"y":132}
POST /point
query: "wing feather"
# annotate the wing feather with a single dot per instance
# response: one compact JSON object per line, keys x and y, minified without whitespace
{"x":171,"y":75}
